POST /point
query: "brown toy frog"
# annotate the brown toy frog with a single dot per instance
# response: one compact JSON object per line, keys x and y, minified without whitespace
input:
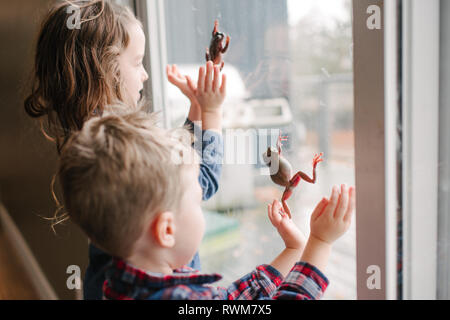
{"x":283,"y":176}
{"x":216,"y":49}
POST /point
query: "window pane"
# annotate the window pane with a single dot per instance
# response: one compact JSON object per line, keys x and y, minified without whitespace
{"x":289,"y":67}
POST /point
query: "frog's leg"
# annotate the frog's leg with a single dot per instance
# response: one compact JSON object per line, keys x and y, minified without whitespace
{"x":280,"y":142}
{"x":300,"y":175}
{"x":226,"y":44}
{"x":216,"y":28}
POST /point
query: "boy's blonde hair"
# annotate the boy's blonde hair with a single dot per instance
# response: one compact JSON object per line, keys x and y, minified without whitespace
{"x":118,"y":171}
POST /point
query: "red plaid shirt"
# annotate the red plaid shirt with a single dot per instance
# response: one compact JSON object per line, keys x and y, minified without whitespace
{"x":124,"y":282}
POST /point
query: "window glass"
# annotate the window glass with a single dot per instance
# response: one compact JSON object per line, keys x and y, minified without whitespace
{"x":289,"y":68}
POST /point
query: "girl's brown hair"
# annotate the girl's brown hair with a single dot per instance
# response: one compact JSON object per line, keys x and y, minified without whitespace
{"x":76,"y":72}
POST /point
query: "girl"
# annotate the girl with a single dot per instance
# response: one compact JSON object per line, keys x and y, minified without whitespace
{"x":82,"y":71}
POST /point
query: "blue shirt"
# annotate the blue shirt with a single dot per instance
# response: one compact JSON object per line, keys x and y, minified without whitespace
{"x":209,"y":145}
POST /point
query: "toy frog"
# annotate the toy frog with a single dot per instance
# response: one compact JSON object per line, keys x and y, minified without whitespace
{"x":283,"y":176}
{"x":216,"y":49}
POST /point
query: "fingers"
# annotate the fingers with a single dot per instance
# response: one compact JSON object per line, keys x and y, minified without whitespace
{"x":319,"y":209}
{"x":274,"y":215}
{"x":172,"y":70}
{"x":276,"y":211}
{"x":208,"y":78}
{"x":351,"y":206}
{"x":270,"y":212}
{"x":216,"y":82}
{"x":331,"y":207}
{"x":287,"y":210}
{"x":191,"y":84}
{"x":201,"y":79}
{"x":174,"y":76}
{"x":169,"y":73}
{"x":223,"y":88}
{"x":343,"y":203}
{"x":175,"y":70}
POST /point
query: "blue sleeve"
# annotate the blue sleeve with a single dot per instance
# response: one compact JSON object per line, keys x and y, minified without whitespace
{"x":209,"y":145}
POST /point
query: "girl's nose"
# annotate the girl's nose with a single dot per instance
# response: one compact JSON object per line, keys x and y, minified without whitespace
{"x":145,"y":76}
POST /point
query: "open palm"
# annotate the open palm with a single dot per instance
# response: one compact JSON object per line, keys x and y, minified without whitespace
{"x":181,"y":82}
{"x":292,"y":236}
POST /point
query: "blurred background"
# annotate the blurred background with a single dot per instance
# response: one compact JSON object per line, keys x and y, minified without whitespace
{"x":27,"y":165}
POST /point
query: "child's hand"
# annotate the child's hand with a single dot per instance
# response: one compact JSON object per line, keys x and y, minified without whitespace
{"x":209,"y":93}
{"x":181,"y":82}
{"x":292,"y":236}
{"x":332,"y":218}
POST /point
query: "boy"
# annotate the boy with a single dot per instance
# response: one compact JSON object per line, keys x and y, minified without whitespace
{"x":133,"y":189}
{"x":206,"y":98}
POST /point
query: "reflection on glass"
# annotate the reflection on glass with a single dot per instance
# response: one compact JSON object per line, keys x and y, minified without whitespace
{"x":289,"y":68}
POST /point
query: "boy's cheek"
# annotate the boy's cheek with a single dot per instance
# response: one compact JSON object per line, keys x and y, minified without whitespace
{"x":203,"y":229}
{"x":203,"y":222}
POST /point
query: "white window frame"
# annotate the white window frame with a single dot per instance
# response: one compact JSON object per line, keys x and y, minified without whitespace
{"x":151,"y":14}
{"x":391,"y":87}
{"x":420,"y":147}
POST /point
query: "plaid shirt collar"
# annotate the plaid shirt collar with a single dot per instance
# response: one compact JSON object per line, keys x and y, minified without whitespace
{"x":126,"y":274}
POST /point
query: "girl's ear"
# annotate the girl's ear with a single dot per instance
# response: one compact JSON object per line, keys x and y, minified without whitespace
{"x":163,"y":229}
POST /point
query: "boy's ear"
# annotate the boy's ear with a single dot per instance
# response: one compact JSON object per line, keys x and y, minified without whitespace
{"x":163,"y":229}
